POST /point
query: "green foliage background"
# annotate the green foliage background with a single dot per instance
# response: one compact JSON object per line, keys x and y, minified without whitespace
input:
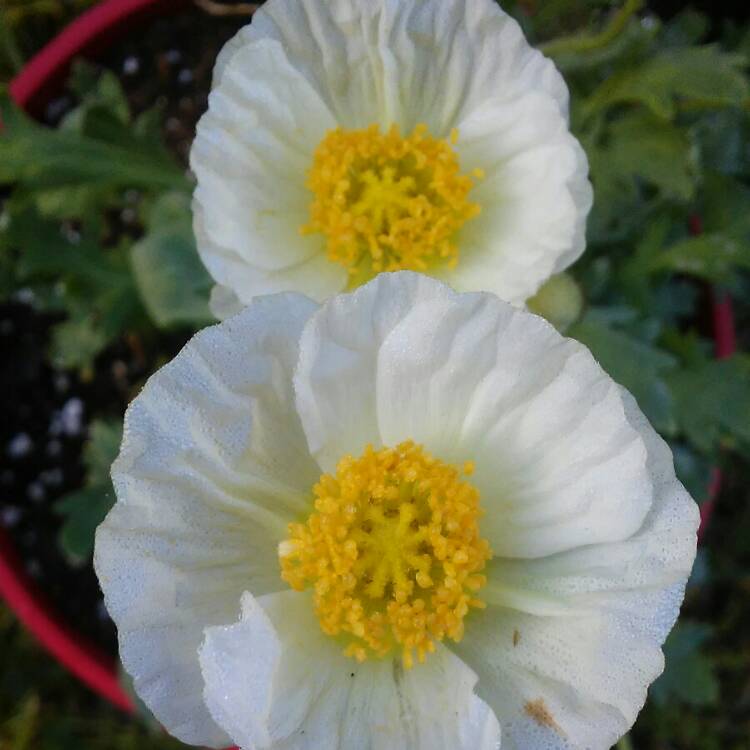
{"x":662,"y":111}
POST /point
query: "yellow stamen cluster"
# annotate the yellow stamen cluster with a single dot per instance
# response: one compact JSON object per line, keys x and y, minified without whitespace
{"x":387,"y":202}
{"x":392,"y":551}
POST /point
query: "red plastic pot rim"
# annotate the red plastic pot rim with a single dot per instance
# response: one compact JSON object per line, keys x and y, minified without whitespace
{"x":89,"y":33}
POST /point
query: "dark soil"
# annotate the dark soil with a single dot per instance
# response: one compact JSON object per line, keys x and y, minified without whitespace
{"x":169,"y":65}
{"x":45,"y":417}
{"x":718,"y":10}
{"x":45,"y":412}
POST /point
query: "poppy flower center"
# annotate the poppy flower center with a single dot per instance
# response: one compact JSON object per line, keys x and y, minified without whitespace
{"x":392,"y":551}
{"x":387,"y":202}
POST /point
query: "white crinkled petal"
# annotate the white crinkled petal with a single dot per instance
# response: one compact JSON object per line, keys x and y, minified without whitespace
{"x":338,"y":363}
{"x":250,"y":156}
{"x":535,"y":198}
{"x":305,"y":66}
{"x":385,"y":61}
{"x":593,"y":535}
{"x":243,"y":281}
{"x":213,"y":466}
{"x":580,"y":632}
{"x":224,"y":302}
{"x":557,"y":461}
{"x":274,"y":680}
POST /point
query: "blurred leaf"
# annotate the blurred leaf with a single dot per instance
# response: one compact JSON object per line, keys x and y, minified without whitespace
{"x":675,"y":300}
{"x":8,"y":271}
{"x":634,"y":364}
{"x":76,"y":343}
{"x":584,"y":49}
{"x":171,"y":278}
{"x":96,"y":284}
{"x":639,"y":145}
{"x":97,"y":88}
{"x":688,"y":27}
{"x":147,"y":127}
{"x":42,"y":158}
{"x":71,"y":202}
{"x":170,"y":208}
{"x":635,"y":152}
{"x":45,"y":250}
{"x":725,"y":206}
{"x":23,"y":727}
{"x":664,"y":248}
{"x":689,"y":676}
{"x":86,"y":508}
{"x":712,"y":257}
{"x":642,"y":146}
{"x":722,"y":138}
{"x":83,"y":510}
{"x":704,"y":75}
{"x":693,"y":470}
{"x":102,"y":115}
{"x":101,"y":449}
{"x":713,"y":402}
{"x":701,"y":574}
{"x":632,"y":41}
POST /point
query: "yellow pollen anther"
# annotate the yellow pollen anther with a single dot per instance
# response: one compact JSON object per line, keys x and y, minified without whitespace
{"x":392,"y":552}
{"x":386,"y":202}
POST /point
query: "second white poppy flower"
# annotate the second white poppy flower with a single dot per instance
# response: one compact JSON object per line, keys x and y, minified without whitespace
{"x":348,"y":137}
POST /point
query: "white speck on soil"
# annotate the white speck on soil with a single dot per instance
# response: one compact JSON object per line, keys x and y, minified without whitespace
{"x":20,"y":446}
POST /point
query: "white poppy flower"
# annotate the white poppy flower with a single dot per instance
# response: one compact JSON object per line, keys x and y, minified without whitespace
{"x":348,"y":137}
{"x":407,"y":519}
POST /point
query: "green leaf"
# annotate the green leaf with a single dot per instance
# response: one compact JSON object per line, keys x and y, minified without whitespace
{"x":42,"y":158}
{"x":713,"y":402}
{"x":639,"y":145}
{"x":657,"y":152}
{"x":713,"y":257}
{"x":704,"y":75}
{"x":722,"y":139}
{"x":172,"y":281}
{"x":105,"y":436}
{"x":629,"y":158}
{"x":95,"y":284}
{"x":98,"y":87}
{"x":581,"y":51}
{"x":71,"y":202}
{"x":76,"y":343}
{"x":638,"y":366}
{"x":570,"y":58}
{"x":725,"y":207}
{"x":689,"y":677}
{"x":46,"y":251}
{"x":147,"y":127}
{"x":84,"y":509}
{"x":170,"y":208}
{"x":102,"y":116}
{"x":688,"y":27}
{"x":8,"y":264}
{"x":693,"y":470}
